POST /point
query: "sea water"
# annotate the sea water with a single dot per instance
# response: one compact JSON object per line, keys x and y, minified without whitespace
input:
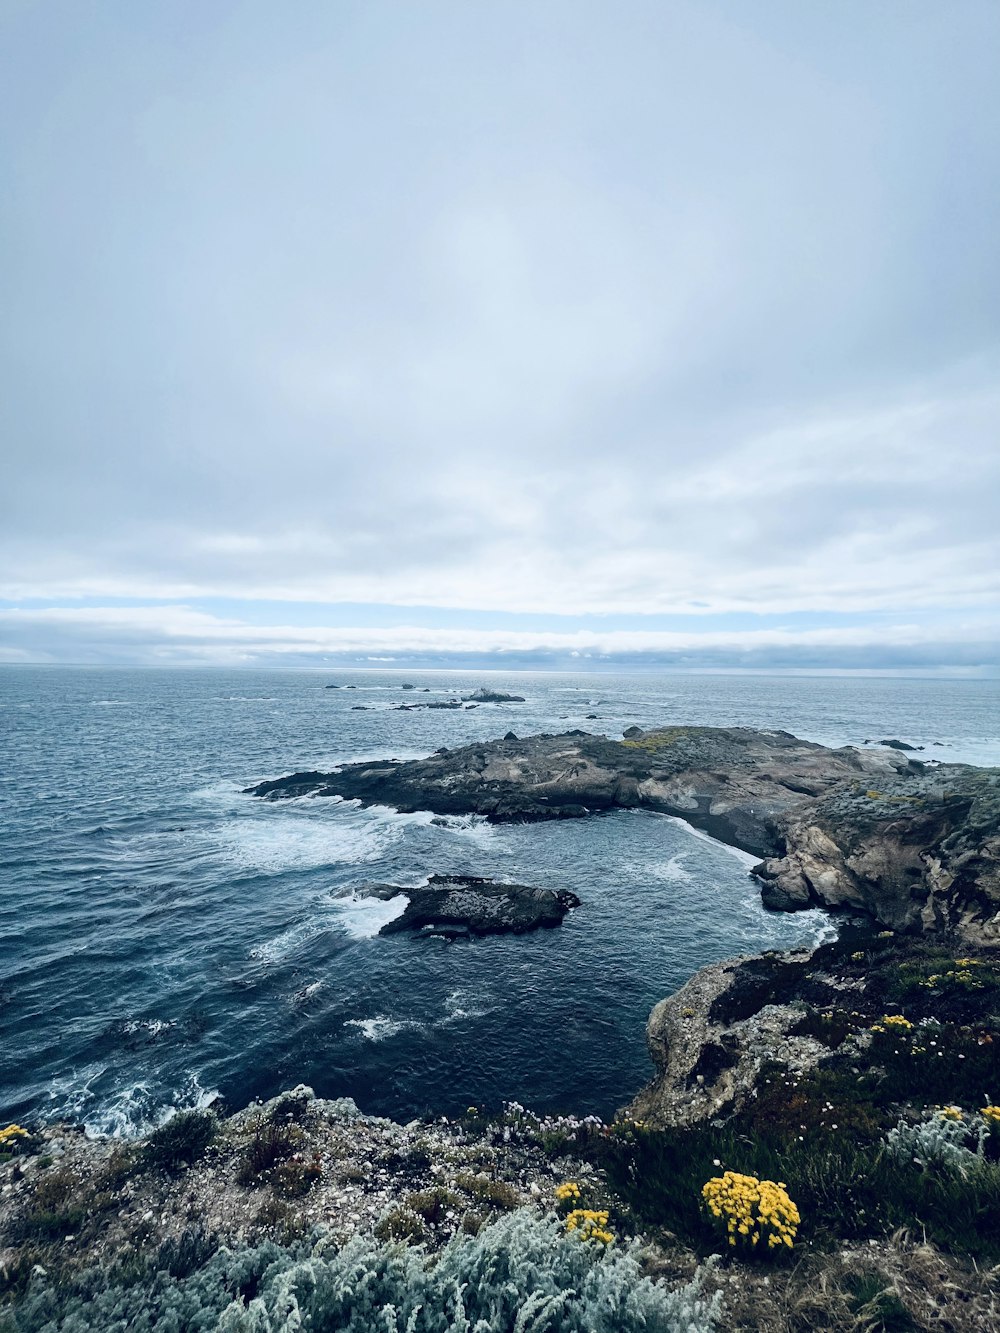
{"x":165,"y":939}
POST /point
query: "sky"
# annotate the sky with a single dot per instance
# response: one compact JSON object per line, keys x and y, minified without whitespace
{"x":539,"y":333}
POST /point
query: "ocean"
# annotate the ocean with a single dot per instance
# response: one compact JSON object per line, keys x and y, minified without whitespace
{"x":165,"y":939}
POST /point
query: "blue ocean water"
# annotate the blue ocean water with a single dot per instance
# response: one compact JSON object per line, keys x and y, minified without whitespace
{"x":164,"y":938}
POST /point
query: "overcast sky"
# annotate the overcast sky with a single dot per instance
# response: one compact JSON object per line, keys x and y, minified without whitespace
{"x":347,"y":330}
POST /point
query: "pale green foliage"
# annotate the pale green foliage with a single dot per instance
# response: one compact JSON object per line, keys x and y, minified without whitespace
{"x":939,"y":1141}
{"x":523,"y":1274}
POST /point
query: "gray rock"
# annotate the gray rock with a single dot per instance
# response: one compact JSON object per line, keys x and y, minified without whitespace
{"x":455,"y":905}
{"x":484,"y":696}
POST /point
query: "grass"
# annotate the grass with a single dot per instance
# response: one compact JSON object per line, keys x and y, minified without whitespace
{"x":845,"y":1189}
{"x":273,"y":1142}
{"x":182,"y":1140}
{"x":55,"y":1211}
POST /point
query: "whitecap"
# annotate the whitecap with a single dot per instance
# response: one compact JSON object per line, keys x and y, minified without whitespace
{"x":363,"y":918}
{"x":672,"y":871}
{"x":462,"y":1004}
{"x":273,"y":950}
{"x":307,"y":994}
{"x":129,"y":1109}
{"x":272,"y":843}
{"x":150,"y":1027}
{"x":109,"y":703}
{"x":381,"y":1026}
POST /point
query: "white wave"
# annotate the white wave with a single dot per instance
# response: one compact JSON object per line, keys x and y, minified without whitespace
{"x":672,"y":871}
{"x":476,"y":828}
{"x":461,"y":1004}
{"x":747,"y":858}
{"x":381,"y":1026}
{"x":224,"y":791}
{"x":129,"y":1109}
{"x":109,"y":703}
{"x":151,"y":1026}
{"x":363,"y":918}
{"x":270,"y":843}
{"x":273,"y":950}
{"x":307,"y":993}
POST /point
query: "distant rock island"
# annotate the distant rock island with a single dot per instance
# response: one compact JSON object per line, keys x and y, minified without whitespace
{"x":457,"y":905}
{"x":915,"y":846}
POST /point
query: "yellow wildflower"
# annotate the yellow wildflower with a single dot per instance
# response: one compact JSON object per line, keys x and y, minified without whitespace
{"x":590,"y":1224}
{"x":751,"y":1210}
{"x":11,"y":1133}
{"x":991,"y":1113}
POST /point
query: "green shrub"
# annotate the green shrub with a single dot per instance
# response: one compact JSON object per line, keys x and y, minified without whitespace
{"x":273,"y":1142}
{"x":433,"y":1205}
{"x":182,"y":1140}
{"x":844,"y":1190}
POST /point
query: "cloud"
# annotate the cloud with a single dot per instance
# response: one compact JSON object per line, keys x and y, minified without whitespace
{"x":539,"y":310}
{"x":183,"y":635}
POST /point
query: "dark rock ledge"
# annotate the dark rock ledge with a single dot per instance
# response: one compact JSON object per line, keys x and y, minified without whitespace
{"x":914,"y":846}
{"x":461,"y":905}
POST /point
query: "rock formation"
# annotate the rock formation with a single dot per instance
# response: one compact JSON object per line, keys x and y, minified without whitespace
{"x":913,"y":845}
{"x":456,"y":905}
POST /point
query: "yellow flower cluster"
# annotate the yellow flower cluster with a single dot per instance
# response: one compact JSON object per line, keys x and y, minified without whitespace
{"x":951,"y":1113}
{"x":960,"y":975}
{"x":569,"y":1189}
{"x":590,"y":1224}
{"x":967,"y":962}
{"x":752,"y":1210}
{"x":991,"y":1113}
{"x":628,"y":1127}
{"x":11,"y":1133}
{"x":893,"y":1023}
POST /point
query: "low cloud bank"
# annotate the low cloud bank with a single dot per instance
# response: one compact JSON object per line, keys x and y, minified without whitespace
{"x":179,"y":635}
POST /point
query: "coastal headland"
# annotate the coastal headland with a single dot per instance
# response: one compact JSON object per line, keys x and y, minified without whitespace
{"x":914,"y":846}
{"x":842,"y":1103}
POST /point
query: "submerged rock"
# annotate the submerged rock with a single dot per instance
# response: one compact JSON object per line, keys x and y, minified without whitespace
{"x":859,"y":830}
{"x":456,"y":905}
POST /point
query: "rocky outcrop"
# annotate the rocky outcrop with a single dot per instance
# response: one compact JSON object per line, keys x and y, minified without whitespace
{"x":739,"y":1032}
{"x":485,"y":696}
{"x":709,"y":1041}
{"x":920,"y":850}
{"x":457,"y":905}
{"x":915,"y":846}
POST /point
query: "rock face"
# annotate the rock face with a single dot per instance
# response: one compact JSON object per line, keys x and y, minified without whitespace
{"x":739,"y":1026}
{"x":709,"y":1040}
{"x":916,"y":847}
{"x":455,"y":905}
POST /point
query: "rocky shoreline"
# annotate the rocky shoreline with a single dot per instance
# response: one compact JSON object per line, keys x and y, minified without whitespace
{"x":809,"y":1065}
{"x":915,"y":846}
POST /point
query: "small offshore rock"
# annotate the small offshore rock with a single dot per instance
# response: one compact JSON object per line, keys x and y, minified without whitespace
{"x":457,"y":905}
{"x":485,"y":696}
